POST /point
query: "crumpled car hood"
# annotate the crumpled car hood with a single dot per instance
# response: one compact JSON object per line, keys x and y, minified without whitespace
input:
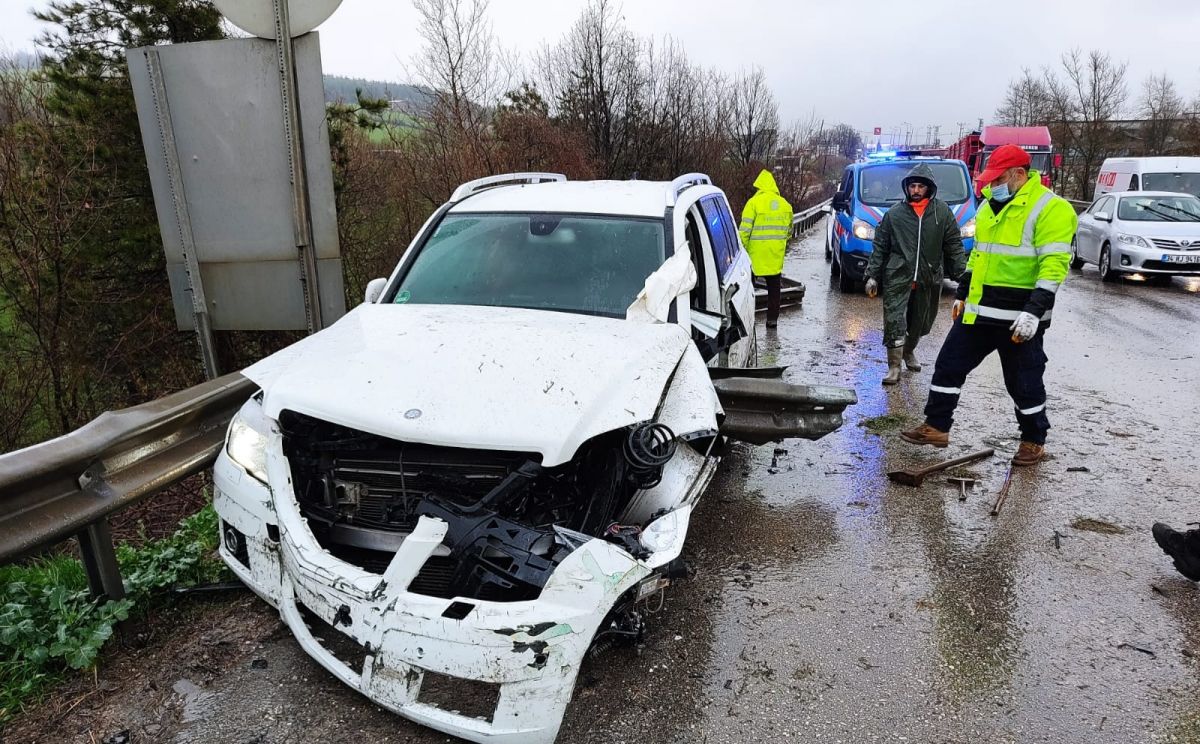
{"x":476,"y":377}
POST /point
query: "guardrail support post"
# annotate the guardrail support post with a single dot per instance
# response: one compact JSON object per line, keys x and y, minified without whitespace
{"x":100,"y":561}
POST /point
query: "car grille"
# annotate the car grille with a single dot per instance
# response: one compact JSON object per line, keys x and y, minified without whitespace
{"x":1175,"y":245}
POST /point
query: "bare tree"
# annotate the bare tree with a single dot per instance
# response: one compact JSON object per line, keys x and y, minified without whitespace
{"x":1161,"y":108}
{"x":1027,"y":102}
{"x":1085,"y":102}
{"x":595,"y":80}
{"x":754,"y":118}
{"x":462,"y":65}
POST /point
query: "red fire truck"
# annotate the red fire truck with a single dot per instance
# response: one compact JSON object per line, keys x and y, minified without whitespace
{"x":977,"y":147}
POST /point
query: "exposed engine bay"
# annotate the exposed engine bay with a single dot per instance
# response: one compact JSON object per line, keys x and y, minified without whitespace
{"x":510,"y":520}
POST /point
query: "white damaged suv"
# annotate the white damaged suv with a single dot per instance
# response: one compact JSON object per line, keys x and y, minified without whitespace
{"x":492,"y":462}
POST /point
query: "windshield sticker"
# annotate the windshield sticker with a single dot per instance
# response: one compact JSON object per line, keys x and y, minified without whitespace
{"x":403,"y":297}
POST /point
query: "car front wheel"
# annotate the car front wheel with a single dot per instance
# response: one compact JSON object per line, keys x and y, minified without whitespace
{"x":1106,"y":270}
{"x":1076,"y":261}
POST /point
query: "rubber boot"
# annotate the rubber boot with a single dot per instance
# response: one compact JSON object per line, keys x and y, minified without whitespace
{"x":894,"y":355}
{"x":910,"y":357}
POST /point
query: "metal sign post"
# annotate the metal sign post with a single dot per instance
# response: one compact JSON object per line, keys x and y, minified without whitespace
{"x":301,"y":218}
{"x":166,"y":133}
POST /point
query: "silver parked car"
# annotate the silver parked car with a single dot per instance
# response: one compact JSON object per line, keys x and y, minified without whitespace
{"x":1155,"y":233}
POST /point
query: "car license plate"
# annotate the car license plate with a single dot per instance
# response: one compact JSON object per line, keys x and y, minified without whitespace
{"x":1181,"y":259}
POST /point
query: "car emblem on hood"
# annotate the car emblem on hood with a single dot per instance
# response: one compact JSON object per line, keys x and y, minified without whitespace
{"x":1185,"y":243}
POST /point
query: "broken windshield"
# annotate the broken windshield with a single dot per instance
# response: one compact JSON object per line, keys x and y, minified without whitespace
{"x":594,"y":265}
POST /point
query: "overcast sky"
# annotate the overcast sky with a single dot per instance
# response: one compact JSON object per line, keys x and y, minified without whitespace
{"x":869,"y":63}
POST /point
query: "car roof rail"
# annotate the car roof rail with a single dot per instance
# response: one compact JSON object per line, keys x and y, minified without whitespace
{"x":489,"y":182}
{"x":684,"y":182}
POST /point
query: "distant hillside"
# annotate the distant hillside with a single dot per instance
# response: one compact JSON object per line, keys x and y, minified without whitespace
{"x":337,"y":87}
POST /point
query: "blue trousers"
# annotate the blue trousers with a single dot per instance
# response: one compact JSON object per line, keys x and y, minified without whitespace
{"x":965,"y":348}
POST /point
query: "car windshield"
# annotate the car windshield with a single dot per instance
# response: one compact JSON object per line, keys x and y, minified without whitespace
{"x":571,"y":263}
{"x":1181,"y":183}
{"x":1180,"y":208}
{"x":879,"y":185}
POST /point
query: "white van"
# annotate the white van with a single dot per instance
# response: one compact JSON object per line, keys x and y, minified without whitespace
{"x":1178,"y":175}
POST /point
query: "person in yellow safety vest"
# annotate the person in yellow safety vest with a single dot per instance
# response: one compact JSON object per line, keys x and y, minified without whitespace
{"x":1023,"y":235}
{"x":766,"y":226}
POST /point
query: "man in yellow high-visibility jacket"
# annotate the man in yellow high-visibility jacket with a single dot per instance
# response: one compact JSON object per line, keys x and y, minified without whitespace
{"x":766,"y":225}
{"x":1023,"y":235}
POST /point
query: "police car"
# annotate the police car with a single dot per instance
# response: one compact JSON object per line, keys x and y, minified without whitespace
{"x":868,"y":189}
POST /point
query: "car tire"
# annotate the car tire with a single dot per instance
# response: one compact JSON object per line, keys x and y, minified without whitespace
{"x":1076,"y":261}
{"x":846,"y":283}
{"x":1107,"y":274}
{"x":828,"y":247}
{"x":834,"y":267}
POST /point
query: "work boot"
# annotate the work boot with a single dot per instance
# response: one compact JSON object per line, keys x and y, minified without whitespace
{"x":894,"y":353}
{"x":926,"y":434}
{"x":1183,"y":547}
{"x":910,"y":357}
{"x":1028,"y":454}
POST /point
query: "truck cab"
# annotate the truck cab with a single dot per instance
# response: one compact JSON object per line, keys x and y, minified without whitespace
{"x":868,"y":189}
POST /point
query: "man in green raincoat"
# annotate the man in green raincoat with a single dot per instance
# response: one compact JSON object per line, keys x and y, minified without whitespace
{"x":918,"y":241}
{"x":766,"y":225}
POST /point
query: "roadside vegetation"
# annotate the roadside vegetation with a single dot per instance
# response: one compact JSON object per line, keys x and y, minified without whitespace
{"x":49,"y":627}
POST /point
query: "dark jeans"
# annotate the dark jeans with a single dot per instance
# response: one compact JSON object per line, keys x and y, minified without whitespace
{"x":773,"y":287}
{"x":965,"y":348}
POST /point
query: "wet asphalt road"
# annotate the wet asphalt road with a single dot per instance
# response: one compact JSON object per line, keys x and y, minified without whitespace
{"x":828,"y":605}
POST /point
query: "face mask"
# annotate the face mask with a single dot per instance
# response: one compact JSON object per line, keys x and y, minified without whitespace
{"x":1001,"y":193}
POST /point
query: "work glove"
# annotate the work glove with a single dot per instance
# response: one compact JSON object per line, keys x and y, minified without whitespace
{"x":956,"y":309}
{"x":1024,"y":327}
{"x":872,"y":288}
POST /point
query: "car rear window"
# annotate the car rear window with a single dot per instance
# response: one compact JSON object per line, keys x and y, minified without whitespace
{"x":594,"y":265}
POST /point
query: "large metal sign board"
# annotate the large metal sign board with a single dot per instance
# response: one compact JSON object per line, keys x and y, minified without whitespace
{"x":211,"y":115}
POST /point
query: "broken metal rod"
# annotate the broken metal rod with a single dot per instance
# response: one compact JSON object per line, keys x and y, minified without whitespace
{"x":917,"y":477}
{"x":1003,"y":495}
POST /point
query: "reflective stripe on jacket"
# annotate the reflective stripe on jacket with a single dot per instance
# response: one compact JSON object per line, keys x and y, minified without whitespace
{"x":765,"y":227}
{"x":1021,"y":255}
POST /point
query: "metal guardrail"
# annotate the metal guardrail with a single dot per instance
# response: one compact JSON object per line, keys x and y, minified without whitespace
{"x":1079,"y":205}
{"x":809,"y":217}
{"x":69,"y":486}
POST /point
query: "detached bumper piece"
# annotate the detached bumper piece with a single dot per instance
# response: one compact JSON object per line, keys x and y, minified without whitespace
{"x":763,"y":410}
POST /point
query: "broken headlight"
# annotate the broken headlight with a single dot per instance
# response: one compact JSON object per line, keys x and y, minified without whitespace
{"x":246,"y":444}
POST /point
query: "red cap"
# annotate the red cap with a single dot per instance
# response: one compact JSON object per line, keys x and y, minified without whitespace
{"x":1003,"y":158}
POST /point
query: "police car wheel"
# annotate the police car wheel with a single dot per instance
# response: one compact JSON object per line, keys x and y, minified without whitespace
{"x":846,"y":283}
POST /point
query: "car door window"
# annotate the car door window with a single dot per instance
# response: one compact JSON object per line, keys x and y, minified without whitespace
{"x":707,"y":294}
{"x":720,"y":233}
{"x":1133,"y":183}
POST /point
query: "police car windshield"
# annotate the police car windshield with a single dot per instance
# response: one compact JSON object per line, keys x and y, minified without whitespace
{"x":879,"y":185}
{"x":1182,"y":208}
{"x":571,"y":263}
{"x":1183,"y":183}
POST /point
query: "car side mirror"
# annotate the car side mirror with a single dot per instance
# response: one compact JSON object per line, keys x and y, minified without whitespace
{"x":676,"y":277}
{"x":374,"y":290}
{"x":838,"y":203}
{"x":1102,"y":216}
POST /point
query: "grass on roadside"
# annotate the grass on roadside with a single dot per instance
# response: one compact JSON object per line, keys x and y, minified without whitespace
{"x":887,"y":422}
{"x":49,"y":626}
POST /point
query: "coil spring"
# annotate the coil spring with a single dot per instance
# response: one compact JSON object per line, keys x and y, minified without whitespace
{"x":648,"y":448}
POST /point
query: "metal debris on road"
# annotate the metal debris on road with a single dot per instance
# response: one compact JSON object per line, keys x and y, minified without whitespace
{"x":917,"y":477}
{"x":1003,"y":495}
{"x":1146,"y":651}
